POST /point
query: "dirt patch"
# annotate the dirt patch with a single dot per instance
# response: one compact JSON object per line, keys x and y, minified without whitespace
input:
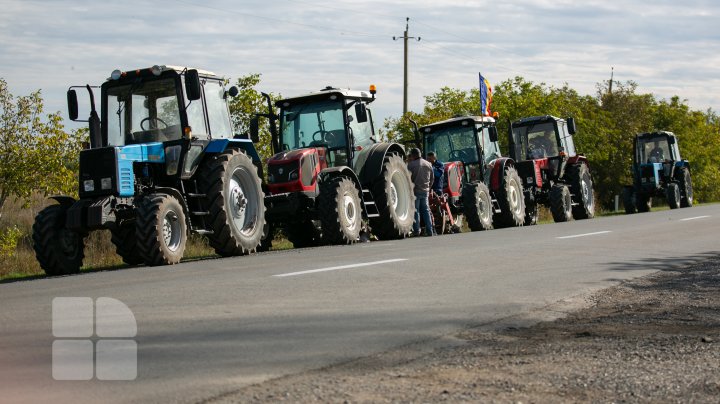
{"x":653,"y":339}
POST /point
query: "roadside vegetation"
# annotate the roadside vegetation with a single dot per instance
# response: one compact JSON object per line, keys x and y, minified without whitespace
{"x":39,"y":157}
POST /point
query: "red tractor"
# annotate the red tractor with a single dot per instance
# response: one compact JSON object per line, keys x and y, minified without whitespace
{"x":479,"y":183}
{"x":553,"y":173}
{"x":330,"y":178}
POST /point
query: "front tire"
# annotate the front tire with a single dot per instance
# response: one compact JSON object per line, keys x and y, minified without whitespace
{"x":235,"y":202}
{"x":58,"y":250}
{"x":673,"y":195}
{"x":643,"y":201}
{"x":561,"y":203}
{"x":395,"y":200}
{"x":340,"y":211}
{"x":581,"y":186}
{"x":477,"y":206}
{"x":629,"y":200}
{"x":161,"y":229}
{"x":125,"y":240}
{"x":686,"y":189}
{"x":512,"y":201}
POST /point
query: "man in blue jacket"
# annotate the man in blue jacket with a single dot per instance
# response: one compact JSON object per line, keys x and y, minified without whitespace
{"x":438,"y":172}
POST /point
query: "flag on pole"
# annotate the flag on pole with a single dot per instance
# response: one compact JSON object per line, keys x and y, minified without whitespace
{"x":485,"y":96}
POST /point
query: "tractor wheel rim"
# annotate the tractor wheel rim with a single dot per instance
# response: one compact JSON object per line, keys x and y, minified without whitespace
{"x":484,"y":209}
{"x":568,"y":203}
{"x":399,"y":198}
{"x":171,"y":230}
{"x":514,"y":199}
{"x":350,"y":211}
{"x":243,"y":204}
{"x":587,"y":195}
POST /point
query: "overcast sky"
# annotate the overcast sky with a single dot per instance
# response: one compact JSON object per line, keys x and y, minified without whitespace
{"x":667,"y":47}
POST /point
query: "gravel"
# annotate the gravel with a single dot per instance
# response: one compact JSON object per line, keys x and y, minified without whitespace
{"x":652,"y":339}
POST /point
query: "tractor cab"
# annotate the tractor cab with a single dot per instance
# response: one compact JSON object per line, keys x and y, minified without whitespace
{"x":321,"y":130}
{"x":465,"y":144}
{"x":656,"y":147}
{"x":542,"y":137}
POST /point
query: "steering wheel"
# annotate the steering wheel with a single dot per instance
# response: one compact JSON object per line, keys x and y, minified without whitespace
{"x":325,"y":137}
{"x":458,"y":155}
{"x":148,"y":119}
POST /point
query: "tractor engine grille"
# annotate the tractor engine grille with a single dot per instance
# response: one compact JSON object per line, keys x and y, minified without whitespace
{"x":280,"y":173}
{"x":98,"y":172}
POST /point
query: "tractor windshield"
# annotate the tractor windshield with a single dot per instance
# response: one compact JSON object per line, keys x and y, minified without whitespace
{"x":654,"y":149}
{"x":455,"y":143}
{"x":142,"y":112}
{"x":536,"y":141}
{"x":320,"y":123}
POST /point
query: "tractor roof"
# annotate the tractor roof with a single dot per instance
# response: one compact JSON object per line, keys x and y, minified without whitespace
{"x":535,"y":119}
{"x":329,"y":91}
{"x":476,"y":118}
{"x":657,"y":133}
{"x":161,"y":69}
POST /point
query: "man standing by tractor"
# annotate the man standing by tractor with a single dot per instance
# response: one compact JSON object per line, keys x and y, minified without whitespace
{"x":438,"y":172}
{"x":421,"y":172}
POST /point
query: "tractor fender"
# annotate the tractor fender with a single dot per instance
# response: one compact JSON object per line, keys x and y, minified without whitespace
{"x":497,"y":175}
{"x":370,"y":161}
{"x":578,"y":160}
{"x":63,"y":200}
{"x":246,"y":145}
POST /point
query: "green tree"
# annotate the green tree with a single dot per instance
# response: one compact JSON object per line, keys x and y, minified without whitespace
{"x":36,"y":153}
{"x":246,"y":105}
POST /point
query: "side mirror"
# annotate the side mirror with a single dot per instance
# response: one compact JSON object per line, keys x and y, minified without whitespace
{"x":672,"y":139}
{"x":232,"y":91}
{"x":192,"y":85}
{"x":571,"y":126}
{"x":492,"y":131}
{"x":255,"y":130}
{"x":361,"y":112}
{"x":72,"y":105}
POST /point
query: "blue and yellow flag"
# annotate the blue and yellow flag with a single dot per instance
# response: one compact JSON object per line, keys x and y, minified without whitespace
{"x":485,"y":96}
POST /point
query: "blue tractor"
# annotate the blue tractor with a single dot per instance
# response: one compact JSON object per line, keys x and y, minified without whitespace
{"x":162,"y":162}
{"x":658,"y":171}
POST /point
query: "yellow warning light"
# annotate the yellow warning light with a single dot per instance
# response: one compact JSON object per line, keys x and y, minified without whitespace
{"x":373,"y":90}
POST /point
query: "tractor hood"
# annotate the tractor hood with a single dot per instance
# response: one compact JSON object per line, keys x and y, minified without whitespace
{"x":292,"y":155}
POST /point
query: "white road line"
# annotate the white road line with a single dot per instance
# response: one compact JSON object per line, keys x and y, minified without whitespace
{"x":694,"y":218}
{"x":361,"y":264}
{"x":586,"y":234}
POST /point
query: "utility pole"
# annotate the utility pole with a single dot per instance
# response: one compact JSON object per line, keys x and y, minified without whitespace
{"x":612,"y":73}
{"x":405,"y":38}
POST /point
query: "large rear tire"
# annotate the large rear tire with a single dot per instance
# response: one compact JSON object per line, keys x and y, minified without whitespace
{"x":395,"y":200}
{"x":511,"y":200}
{"x":340,"y":211}
{"x":58,"y":250}
{"x":581,"y":186}
{"x":235,"y":202}
{"x":477,"y":206}
{"x":561,"y":203}
{"x":161,"y":229}
{"x":686,"y":189}
{"x":124,"y":238}
{"x":672,"y":193}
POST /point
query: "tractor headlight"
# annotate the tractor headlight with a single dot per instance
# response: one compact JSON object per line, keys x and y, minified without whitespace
{"x":106,"y":183}
{"x":89,"y":185}
{"x":271,"y":178}
{"x":293,"y":175}
{"x":172,"y":159}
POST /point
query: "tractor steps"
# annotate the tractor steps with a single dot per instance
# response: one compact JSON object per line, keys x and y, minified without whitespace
{"x":203,"y":232}
{"x":200,"y":213}
{"x":370,"y":206}
{"x":195,"y":195}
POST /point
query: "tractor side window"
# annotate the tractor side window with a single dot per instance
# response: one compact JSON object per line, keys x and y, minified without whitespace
{"x":490,"y":149}
{"x":362,"y":132}
{"x":566,"y":140}
{"x":218,"y":113}
{"x":196,"y":117}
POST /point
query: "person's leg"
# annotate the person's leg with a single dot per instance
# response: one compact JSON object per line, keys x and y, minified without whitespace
{"x":416,"y":223}
{"x":425,"y":211}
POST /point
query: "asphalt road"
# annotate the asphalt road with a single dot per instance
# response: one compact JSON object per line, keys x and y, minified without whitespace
{"x":208,"y":327}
